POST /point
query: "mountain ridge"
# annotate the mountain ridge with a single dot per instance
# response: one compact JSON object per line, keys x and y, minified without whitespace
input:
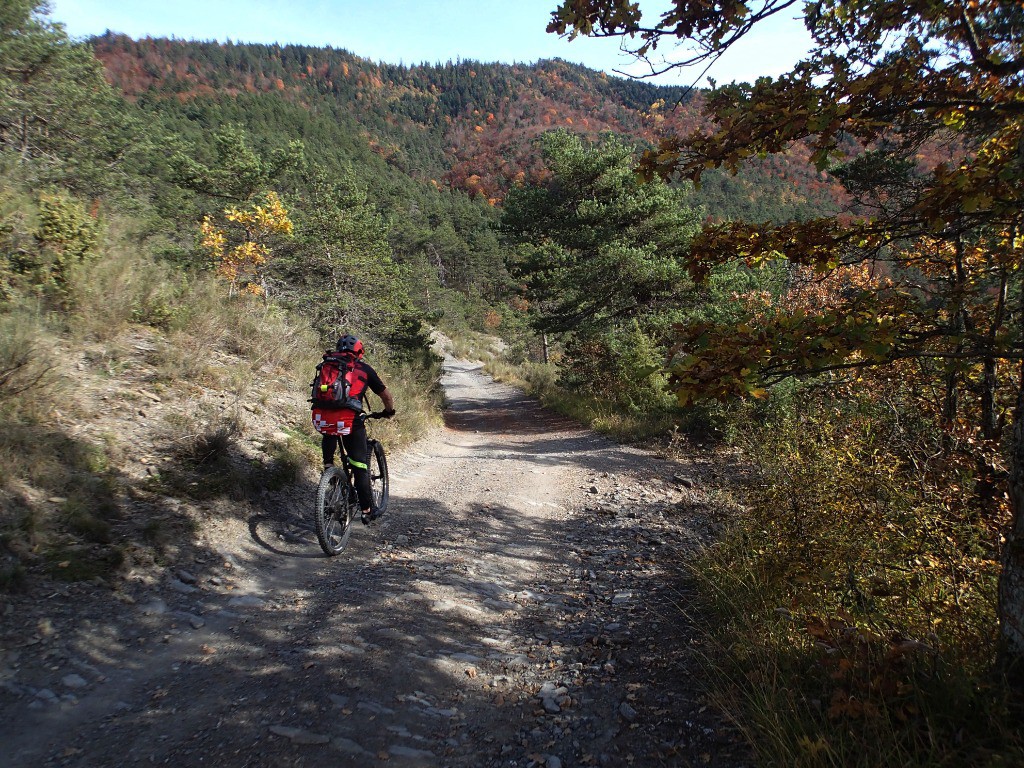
{"x":465,"y":125}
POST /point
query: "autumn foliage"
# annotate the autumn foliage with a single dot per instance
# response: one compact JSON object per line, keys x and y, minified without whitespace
{"x":239,"y":247}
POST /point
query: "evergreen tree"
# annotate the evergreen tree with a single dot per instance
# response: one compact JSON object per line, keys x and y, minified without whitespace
{"x":596,"y":246}
{"x":56,"y":108}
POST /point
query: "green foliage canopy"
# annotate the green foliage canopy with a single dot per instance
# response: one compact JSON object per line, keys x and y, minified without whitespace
{"x":596,"y":247}
{"x":56,"y":108}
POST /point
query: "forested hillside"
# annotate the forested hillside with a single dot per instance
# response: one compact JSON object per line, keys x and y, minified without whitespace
{"x":467,"y":126}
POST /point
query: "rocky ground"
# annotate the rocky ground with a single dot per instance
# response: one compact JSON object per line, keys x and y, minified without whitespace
{"x":522,"y":604}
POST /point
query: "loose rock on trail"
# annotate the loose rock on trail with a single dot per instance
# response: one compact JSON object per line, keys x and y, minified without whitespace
{"x":521,"y":604}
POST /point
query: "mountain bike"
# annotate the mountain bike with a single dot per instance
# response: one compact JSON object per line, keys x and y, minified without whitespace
{"x":337,"y":503}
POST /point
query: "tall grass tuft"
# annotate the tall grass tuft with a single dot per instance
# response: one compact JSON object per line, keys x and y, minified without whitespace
{"x":124,"y":288}
{"x":25,"y":377}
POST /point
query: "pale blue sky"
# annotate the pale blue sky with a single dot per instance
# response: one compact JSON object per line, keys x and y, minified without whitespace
{"x":408,"y":31}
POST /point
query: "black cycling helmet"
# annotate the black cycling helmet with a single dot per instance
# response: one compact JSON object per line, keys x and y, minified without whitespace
{"x":349,"y":343}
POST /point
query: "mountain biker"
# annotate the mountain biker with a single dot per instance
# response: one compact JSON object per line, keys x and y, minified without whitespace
{"x":353,"y":432}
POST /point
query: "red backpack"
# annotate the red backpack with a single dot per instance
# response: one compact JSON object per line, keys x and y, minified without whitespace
{"x":337,"y":393}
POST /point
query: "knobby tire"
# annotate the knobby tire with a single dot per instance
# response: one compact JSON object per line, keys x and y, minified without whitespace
{"x":334,"y":511}
{"x":378,"y":466}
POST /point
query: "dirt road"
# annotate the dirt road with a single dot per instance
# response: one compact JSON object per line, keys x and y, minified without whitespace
{"x":520,"y":605}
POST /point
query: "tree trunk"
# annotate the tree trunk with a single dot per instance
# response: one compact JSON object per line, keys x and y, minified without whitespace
{"x":987,"y":486}
{"x":544,"y":342}
{"x":1011,"y":581}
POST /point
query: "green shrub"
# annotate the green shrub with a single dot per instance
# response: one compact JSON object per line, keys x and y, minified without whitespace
{"x":44,"y":236}
{"x":623,"y":368}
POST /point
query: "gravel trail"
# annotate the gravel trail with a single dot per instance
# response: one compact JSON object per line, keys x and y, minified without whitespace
{"x":519,"y":605}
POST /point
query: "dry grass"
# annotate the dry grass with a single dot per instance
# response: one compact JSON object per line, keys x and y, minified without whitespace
{"x":224,"y":343}
{"x":853,"y":616}
{"x":26,"y":378}
{"x":121,"y":289}
{"x":470,"y":345}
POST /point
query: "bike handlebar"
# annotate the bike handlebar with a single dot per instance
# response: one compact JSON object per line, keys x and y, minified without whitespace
{"x":377,"y":415}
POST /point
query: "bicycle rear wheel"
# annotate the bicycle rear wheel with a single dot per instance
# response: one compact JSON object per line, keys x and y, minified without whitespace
{"x":378,"y":466}
{"x":334,"y":511}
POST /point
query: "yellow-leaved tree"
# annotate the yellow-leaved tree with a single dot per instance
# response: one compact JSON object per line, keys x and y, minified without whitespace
{"x":241,"y":245}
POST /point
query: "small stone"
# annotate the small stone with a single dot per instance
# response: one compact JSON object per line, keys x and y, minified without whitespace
{"x":308,"y":737}
{"x":181,"y":587}
{"x":196,"y":622}
{"x":592,"y":489}
{"x":622,"y":597}
{"x":401,"y":540}
{"x":551,"y":706}
{"x":57,"y":499}
{"x":298,"y":735}
{"x":74,"y":681}
{"x":246,"y":601}
{"x":449,"y":713}
{"x":550,"y":761}
{"x":374,"y":708}
{"x":187,"y":577}
{"x":46,"y":694}
{"x":347,"y":746}
{"x":682,"y":480}
{"x":627,"y":712}
{"x":400,"y":751}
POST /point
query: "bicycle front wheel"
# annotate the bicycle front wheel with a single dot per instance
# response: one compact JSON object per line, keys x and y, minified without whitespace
{"x":334,"y":510}
{"x":378,"y":466}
